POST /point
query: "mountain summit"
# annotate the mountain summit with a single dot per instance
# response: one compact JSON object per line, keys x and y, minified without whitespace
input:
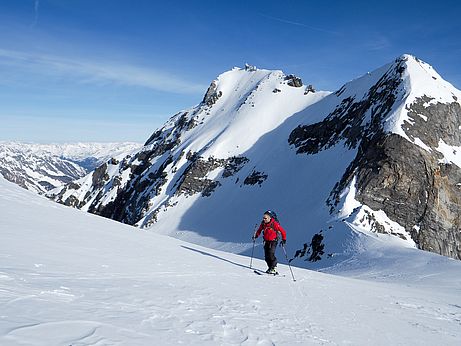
{"x":185,"y":157}
{"x":378,"y":156}
{"x":406,"y":132}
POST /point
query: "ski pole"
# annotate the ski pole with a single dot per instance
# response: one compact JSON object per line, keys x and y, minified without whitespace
{"x":254,"y":241}
{"x":251,"y":261}
{"x":289,"y":266}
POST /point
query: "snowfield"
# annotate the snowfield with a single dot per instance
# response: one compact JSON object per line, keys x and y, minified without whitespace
{"x":72,"y":278}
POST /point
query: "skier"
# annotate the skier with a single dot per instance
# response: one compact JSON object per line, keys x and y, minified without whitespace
{"x":272,"y":230}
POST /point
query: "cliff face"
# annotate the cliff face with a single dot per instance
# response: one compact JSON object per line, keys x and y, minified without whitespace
{"x":410,"y":171}
{"x":414,"y":189}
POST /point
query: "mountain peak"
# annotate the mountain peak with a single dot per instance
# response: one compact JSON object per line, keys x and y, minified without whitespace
{"x":377,"y":136}
{"x":250,"y":68}
{"x":426,"y":102}
{"x":425,"y":80}
{"x":401,"y":85}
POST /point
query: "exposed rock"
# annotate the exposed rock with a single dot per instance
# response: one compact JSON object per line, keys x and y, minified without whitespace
{"x":73,"y":186}
{"x":301,"y":253}
{"x":309,"y":89}
{"x":315,"y":249}
{"x":169,"y":136}
{"x":255,"y":178}
{"x":212,"y":95}
{"x":233,"y":165}
{"x":132,"y":200}
{"x":413,"y":189}
{"x":250,"y":68}
{"x":347,"y":121}
{"x":113,"y":161}
{"x":72,"y":202}
{"x":184,"y":123}
{"x":100,"y":176}
{"x":210,"y":188}
{"x":294,"y":81}
{"x":194,"y":178}
{"x":409,"y":183}
{"x":432,"y":122}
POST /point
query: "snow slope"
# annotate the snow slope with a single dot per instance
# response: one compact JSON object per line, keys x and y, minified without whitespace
{"x":72,"y":278}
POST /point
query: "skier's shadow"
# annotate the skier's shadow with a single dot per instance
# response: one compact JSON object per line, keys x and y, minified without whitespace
{"x":214,"y":256}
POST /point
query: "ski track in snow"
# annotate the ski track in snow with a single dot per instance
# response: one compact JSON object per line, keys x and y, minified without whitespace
{"x":70,"y":278}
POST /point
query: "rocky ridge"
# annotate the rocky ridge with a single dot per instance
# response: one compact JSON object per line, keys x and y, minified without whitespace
{"x":43,"y":167}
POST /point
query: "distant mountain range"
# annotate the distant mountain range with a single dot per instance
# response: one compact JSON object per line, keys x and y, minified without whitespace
{"x":379,"y":157}
{"x":41,"y":167}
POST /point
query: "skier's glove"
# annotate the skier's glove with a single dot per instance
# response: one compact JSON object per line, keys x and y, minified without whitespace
{"x":253,"y":237}
{"x":284,"y":241}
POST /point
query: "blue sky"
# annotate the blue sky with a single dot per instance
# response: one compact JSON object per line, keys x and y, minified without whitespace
{"x":115,"y":70}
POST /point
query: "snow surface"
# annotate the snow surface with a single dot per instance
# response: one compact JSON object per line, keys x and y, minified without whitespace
{"x":451,"y":154}
{"x":247,"y":109}
{"x":72,"y":278}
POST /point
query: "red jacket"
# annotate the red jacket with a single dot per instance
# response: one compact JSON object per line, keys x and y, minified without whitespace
{"x":270,"y":230}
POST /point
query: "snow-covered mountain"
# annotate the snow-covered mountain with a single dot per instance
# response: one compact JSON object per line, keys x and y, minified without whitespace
{"x":379,"y":156}
{"x":41,"y":167}
{"x":404,"y":122}
{"x":72,"y":278}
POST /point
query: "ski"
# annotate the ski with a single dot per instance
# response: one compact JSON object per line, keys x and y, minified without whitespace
{"x":260,"y":272}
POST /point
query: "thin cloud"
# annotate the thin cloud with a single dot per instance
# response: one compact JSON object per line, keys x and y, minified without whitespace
{"x":100,"y":73}
{"x":36,"y":7}
{"x":378,"y":43}
{"x":281,"y":20}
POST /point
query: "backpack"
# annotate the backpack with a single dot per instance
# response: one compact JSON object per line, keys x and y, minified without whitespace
{"x":273,"y":216}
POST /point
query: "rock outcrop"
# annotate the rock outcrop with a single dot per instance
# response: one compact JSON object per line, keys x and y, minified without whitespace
{"x":294,"y":81}
{"x":413,"y":184}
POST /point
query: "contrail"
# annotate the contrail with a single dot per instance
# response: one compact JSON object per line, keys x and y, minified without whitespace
{"x":36,"y":6}
{"x":299,"y":24}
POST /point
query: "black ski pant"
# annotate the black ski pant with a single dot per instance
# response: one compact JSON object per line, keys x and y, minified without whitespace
{"x":269,"y":253}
